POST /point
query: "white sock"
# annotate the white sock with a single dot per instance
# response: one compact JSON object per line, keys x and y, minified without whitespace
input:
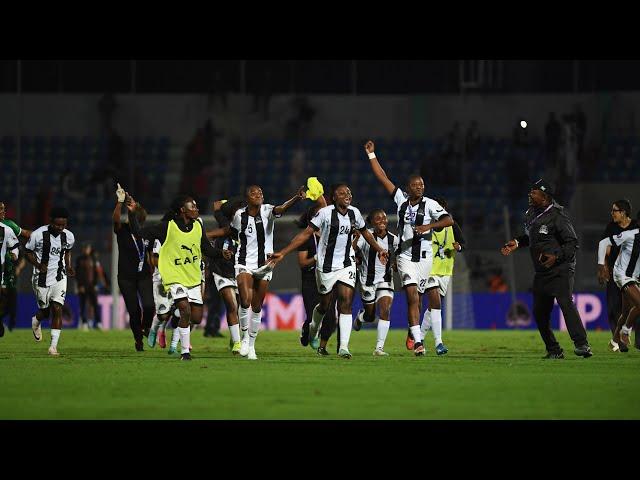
{"x":254,"y":327}
{"x":175,"y":338}
{"x":155,"y":324}
{"x":235,"y":332}
{"x":436,"y":324}
{"x":55,"y":335}
{"x":383,"y":329}
{"x":316,"y":318}
{"x":415,"y":331}
{"x":243,"y":316}
{"x":345,"y":330}
{"x":426,"y":323}
{"x":185,"y":338}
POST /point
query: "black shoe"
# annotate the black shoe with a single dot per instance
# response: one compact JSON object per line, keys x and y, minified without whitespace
{"x":217,"y":335}
{"x":304,"y":335}
{"x":623,"y":347}
{"x":322,"y":351}
{"x":583,"y":351}
{"x":139,"y":346}
{"x":554,"y":355}
{"x":185,"y":356}
{"x":207,"y":334}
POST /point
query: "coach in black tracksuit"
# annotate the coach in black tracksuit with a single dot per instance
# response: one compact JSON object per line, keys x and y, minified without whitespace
{"x":134,"y":274}
{"x":553,"y":244}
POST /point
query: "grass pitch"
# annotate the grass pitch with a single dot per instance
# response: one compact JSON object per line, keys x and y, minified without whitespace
{"x":485,"y":375}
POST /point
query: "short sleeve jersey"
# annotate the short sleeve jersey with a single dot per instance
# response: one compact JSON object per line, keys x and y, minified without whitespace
{"x":335,"y":251}
{"x":50,"y":250}
{"x":255,"y":235}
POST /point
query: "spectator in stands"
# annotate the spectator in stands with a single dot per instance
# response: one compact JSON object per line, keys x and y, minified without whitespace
{"x":552,"y":135}
{"x":496,"y":281}
{"x":107,"y":106}
{"x":567,"y":164}
{"x":299,"y":125}
{"x":472,"y":140}
{"x":580,"y":122}
{"x":262,"y":94}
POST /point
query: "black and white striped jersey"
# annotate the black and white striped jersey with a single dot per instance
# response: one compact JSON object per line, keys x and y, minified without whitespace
{"x":627,"y":263}
{"x":8,"y":243}
{"x":371,"y":271}
{"x":335,"y":251}
{"x":50,"y":249}
{"x":255,"y":235}
{"x":425,"y":211}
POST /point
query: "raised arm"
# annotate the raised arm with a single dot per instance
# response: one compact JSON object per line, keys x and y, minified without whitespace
{"x":300,"y":195}
{"x":377,"y":168}
{"x":117,"y":211}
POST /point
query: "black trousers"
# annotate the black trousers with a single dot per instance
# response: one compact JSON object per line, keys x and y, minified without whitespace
{"x":614,"y":309}
{"x":139,"y":318}
{"x":310,"y":295}
{"x":8,"y":305}
{"x":214,"y":310}
{"x":91,"y":297}
{"x":560,"y":287}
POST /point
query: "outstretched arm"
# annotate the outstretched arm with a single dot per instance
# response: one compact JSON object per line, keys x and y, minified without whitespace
{"x":377,"y":168}
{"x":117,"y":211}
{"x":298,"y":240}
{"x":383,"y":255}
{"x":300,"y":195}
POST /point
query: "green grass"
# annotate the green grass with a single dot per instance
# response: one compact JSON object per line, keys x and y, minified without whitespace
{"x":486,"y":375}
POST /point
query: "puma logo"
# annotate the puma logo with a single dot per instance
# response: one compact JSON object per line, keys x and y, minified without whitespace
{"x":184,"y":247}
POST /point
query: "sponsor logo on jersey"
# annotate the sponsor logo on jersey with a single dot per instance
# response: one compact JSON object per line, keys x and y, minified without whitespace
{"x":543,"y":229}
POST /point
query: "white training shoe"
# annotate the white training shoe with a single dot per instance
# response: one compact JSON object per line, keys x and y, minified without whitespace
{"x":613,"y":346}
{"x":53,"y":351}
{"x":252,"y":354}
{"x":244,"y":347}
{"x":378,"y":352}
{"x":37,"y":330}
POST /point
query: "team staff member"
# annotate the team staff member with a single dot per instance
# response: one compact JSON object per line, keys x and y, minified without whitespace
{"x":134,"y":273}
{"x":621,"y":221}
{"x":553,"y":244}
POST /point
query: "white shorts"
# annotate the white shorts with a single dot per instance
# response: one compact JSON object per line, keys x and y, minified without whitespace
{"x":326,"y":281}
{"x":373,"y":293}
{"x":194,"y":294}
{"x":622,"y":280}
{"x":415,"y":273}
{"x":54,"y":293}
{"x":440,"y":281}
{"x":224,"y":282}
{"x":265,"y":272}
{"x":161,"y":299}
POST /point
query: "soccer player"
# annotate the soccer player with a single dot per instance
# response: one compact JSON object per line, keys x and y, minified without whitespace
{"x":49,"y":251}
{"x":8,"y":291}
{"x":417,"y":217}
{"x":335,"y":260}
{"x":161,"y":298}
{"x":448,"y":241}
{"x":253,"y":226}
{"x":376,"y":279}
{"x":184,"y":241}
{"x":626,"y":274}
{"x":9,"y":249}
{"x":222,"y":268}
{"x":621,"y":221}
